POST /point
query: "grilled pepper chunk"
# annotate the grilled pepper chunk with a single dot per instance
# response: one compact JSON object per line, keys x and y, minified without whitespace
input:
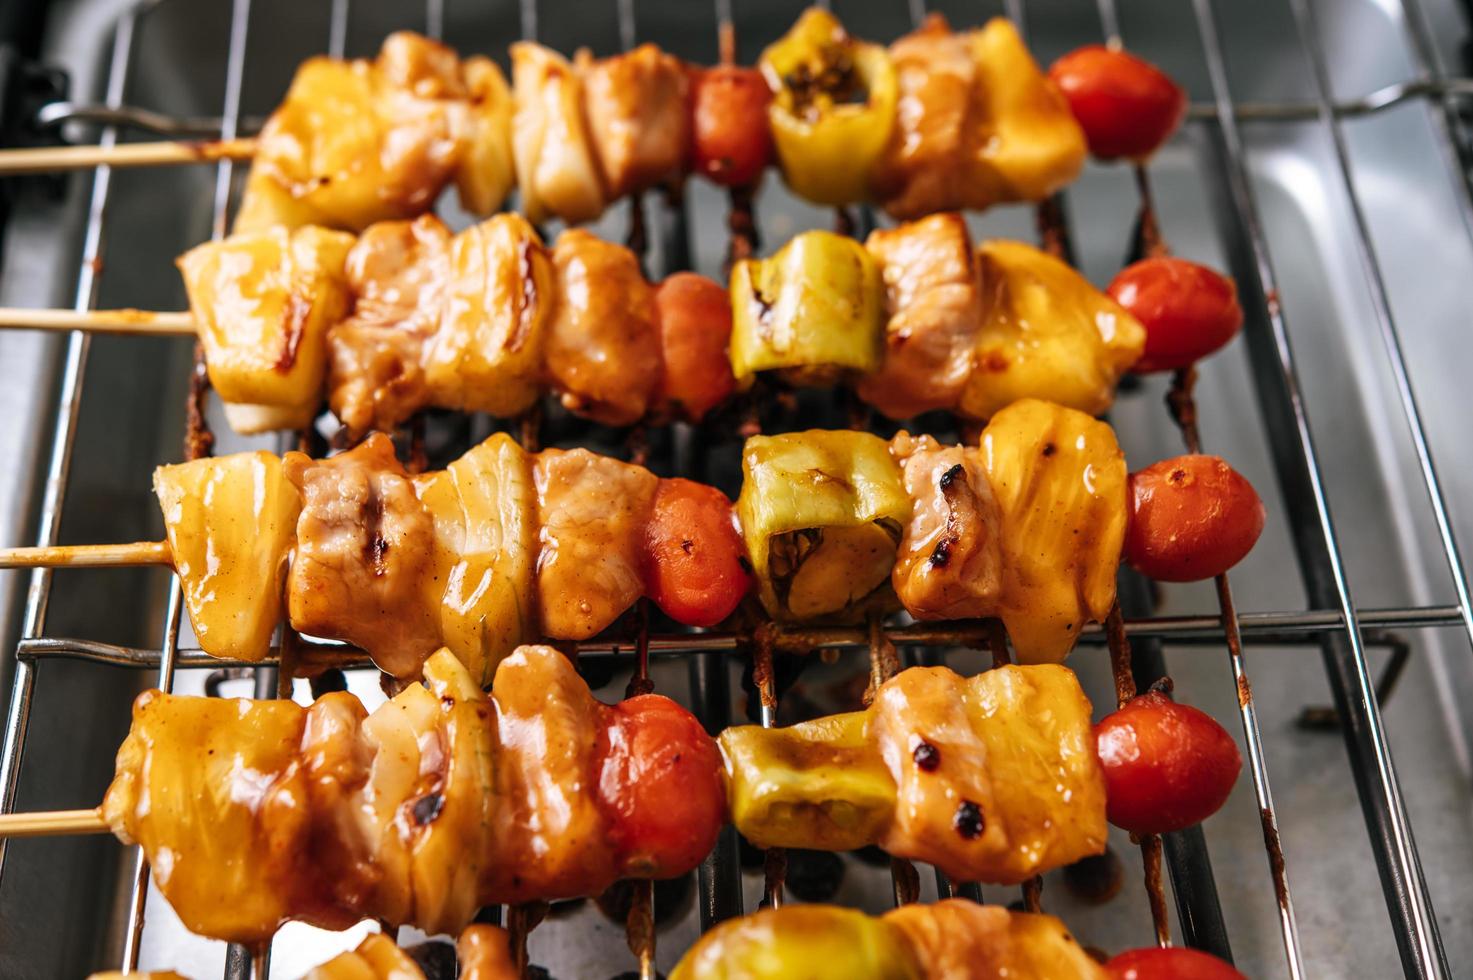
{"x":1060,"y":482}
{"x":991,"y":778}
{"x":231,"y":523}
{"x":263,"y":302}
{"x":1046,"y":333}
{"x":832,"y":109}
{"x":952,"y":939}
{"x":483,"y":507}
{"x":813,"y":310}
{"x":822,"y":514}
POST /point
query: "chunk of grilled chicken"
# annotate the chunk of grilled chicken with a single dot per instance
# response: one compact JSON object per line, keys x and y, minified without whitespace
{"x":638,"y":109}
{"x":483,"y":952}
{"x":991,"y":778}
{"x":977,"y":123}
{"x":591,"y":513}
{"x":253,"y":813}
{"x":363,"y":556}
{"x":1060,"y":482}
{"x":953,"y":939}
{"x":454,"y":322}
{"x":557,"y":171}
{"x":356,"y":142}
{"x":603,"y":344}
{"x":933,"y":310}
{"x":1046,"y":333}
{"x":949,"y":563}
{"x":262,"y":304}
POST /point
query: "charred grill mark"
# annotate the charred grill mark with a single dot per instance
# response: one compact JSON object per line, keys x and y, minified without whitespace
{"x":941,"y":555}
{"x":968,"y":820}
{"x":927,"y":757}
{"x":427,"y":808}
{"x":298,"y":309}
{"x":1049,"y":449}
{"x":376,"y":552}
{"x":952,"y":483}
{"x":527,"y":308}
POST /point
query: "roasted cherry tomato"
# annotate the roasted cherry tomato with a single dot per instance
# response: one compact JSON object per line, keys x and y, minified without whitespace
{"x":1127,"y":107}
{"x":695,"y":328}
{"x":729,"y":124}
{"x":1191,"y":518}
{"x":1167,"y":765}
{"x":659,"y":784}
{"x":1173,"y":963}
{"x":1188,"y":310}
{"x":698,"y":571}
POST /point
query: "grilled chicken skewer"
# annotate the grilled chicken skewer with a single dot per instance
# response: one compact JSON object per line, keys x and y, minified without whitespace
{"x":408,"y":316}
{"x":939,"y":121}
{"x":504,"y":546}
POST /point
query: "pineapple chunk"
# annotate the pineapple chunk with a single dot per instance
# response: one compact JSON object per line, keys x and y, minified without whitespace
{"x":485,"y":548}
{"x":1046,"y":333}
{"x":231,"y":523}
{"x":263,"y":302}
{"x":486,"y":173}
{"x":1059,"y":478}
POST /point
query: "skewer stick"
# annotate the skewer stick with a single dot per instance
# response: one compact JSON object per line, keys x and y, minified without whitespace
{"x":125,"y":321}
{"x":50,"y":159}
{"x":52,"y":823}
{"x":88,"y":555}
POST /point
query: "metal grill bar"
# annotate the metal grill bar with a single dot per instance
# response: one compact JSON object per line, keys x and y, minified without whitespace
{"x":69,"y":402}
{"x":1314,"y":532}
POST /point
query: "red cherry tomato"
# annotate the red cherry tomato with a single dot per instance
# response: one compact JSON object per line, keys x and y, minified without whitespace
{"x":1188,"y":310}
{"x":1127,"y":106}
{"x":1175,"y":963}
{"x":1191,"y":518}
{"x":695,"y":329}
{"x":659,"y":786}
{"x":1167,"y":765}
{"x":729,"y":124}
{"x":697,"y":563}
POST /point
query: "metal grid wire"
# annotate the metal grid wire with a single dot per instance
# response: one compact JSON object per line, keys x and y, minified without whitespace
{"x":1335,"y":623}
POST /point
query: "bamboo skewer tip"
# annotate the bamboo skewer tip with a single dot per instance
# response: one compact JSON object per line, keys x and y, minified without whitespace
{"x":52,"y":823}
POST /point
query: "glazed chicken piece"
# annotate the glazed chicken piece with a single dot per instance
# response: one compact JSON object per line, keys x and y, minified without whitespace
{"x":1060,"y":482}
{"x":262,"y":304}
{"x":443,"y":800}
{"x":363,"y":560}
{"x":1046,"y":333}
{"x":592,"y":512}
{"x":483,"y":952}
{"x":949,"y":564}
{"x":557,"y":171}
{"x":398,"y":273}
{"x":450,"y":322}
{"x":231,"y":523}
{"x":976,"y":124}
{"x":357,"y":142}
{"x":638,"y":109}
{"x":990,"y":778}
{"x":603,"y":344}
{"x":933,"y":310}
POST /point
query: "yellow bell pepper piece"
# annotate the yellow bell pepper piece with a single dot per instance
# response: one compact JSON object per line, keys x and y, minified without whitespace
{"x":483,"y":506}
{"x":813,"y":310}
{"x":262,"y":304}
{"x":1046,"y":333}
{"x":832,"y":109}
{"x":231,"y":523}
{"x":822,"y":514}
{"x":1060,"y":482}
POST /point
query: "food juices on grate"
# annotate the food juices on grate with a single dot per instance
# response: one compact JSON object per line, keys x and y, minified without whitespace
{"x":356,"y":142}
{"x":992,"y":778}
{"x":253,"y":813}
{"x":954,"y":938}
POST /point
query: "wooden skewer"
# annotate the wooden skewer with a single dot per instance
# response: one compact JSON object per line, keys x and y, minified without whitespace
{"x":52,"y":823}
{"x":88,"y":555}
{"x":126,"y":321}
{"x":50,"y":159}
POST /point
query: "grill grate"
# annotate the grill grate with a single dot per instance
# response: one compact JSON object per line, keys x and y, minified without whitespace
{"x":1335,"y":623}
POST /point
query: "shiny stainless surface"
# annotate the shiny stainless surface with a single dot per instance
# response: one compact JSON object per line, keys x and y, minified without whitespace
{"x":1332,"y":422}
